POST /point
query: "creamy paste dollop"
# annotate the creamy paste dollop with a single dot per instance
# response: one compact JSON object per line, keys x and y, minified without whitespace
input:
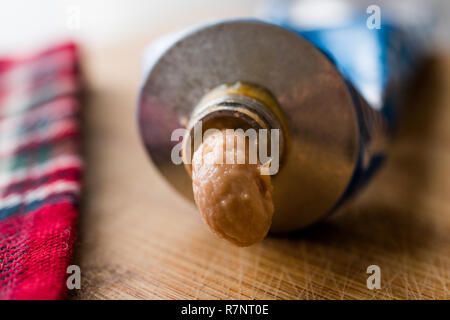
{"x":235,"y":200}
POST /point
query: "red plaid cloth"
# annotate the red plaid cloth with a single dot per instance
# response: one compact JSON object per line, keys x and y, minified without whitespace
{"x":39,"y":172}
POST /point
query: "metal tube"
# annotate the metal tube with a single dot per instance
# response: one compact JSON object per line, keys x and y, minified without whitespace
{"x":332,"y":136}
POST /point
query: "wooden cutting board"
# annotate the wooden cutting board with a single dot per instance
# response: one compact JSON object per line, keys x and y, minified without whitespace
{"x":140,"y":240}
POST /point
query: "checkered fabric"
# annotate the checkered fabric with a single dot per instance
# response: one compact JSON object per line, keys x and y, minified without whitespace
{"x":39,"y":172}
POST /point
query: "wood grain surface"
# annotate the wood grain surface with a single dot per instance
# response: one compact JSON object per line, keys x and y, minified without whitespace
{"x":139,"y":240}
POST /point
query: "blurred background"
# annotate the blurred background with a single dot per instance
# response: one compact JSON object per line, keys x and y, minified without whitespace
{"x":26,"y":24}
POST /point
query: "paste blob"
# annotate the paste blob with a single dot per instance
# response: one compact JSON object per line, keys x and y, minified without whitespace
{"x":235,"y":200}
